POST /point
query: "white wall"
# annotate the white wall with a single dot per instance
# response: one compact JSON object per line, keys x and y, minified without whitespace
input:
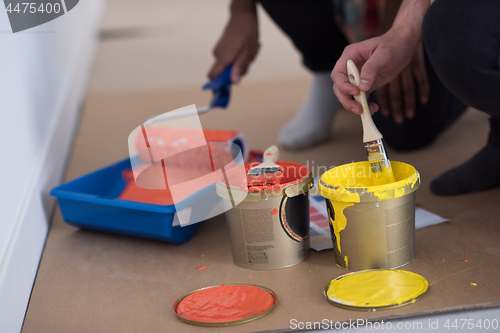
{"x":43,"y":78}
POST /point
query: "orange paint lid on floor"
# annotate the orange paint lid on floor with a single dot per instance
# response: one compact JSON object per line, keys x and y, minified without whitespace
{"x":225,"y":305}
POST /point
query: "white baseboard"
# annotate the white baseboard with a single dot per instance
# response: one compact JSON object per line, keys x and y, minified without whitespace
{"x":19,"y":263}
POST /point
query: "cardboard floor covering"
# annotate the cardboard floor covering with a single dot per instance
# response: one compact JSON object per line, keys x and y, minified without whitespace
{"x":96,"y":282}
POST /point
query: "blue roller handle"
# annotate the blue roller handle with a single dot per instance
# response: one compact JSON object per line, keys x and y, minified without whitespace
{"x":222,"y":85}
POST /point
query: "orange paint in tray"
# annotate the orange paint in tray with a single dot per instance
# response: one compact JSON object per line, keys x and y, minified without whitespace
{"x":133,"y":192}
{"x":179,"y":156}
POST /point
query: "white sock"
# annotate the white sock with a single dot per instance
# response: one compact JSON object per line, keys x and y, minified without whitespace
{"x":312,"y":123}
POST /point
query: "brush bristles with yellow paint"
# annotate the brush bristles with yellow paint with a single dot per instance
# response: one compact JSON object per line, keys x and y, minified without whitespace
{"x":380,"y":165}
{"x":377,"y":156}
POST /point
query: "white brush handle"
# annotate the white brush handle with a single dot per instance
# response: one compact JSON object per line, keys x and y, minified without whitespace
{"x":271,"y":155}
{"x":370,"y":131}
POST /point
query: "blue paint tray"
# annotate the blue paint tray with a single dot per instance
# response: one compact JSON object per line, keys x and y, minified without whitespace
{"x":91,"y":202}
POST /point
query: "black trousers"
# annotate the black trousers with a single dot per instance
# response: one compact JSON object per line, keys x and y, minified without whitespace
{"x":311,"y":26}
{"x":462,"y":38}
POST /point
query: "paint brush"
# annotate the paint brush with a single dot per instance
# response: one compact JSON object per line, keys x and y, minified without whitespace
{"x":374,"y":144}
{"x":268,"y":172}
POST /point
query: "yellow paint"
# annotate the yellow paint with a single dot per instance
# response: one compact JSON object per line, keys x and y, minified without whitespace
{"x":340,"y":221}
{"x":359,"y":176}
{"x":346,"y":262}
{"x":377,"y":288}
{"x":386,"y":176}
{"x":348,"y":179}
{"x":348,"y":184}
{"x":474,"y":284}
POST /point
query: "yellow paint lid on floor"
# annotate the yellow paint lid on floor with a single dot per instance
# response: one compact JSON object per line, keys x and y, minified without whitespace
{"x":375,"y":289}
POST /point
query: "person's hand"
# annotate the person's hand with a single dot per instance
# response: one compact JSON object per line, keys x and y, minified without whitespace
{"x":381,"y":59}
{"x":238,"y":45}
{"x":399,"y":96}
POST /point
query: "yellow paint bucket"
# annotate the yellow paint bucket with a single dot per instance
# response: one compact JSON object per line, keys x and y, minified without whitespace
{"x":372,"y":226}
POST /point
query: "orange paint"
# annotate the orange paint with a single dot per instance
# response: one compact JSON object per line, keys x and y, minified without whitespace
{"x":195,"y":162}
{"x":202,"y":267}
{"x":274,"y":211}
{"x":225,"y":304}
{"x":152,"y":184}
{"x":165,"y":141}
{"x":293,"y":173}
{"x":133,"y":192}
{"x":153,"y":176}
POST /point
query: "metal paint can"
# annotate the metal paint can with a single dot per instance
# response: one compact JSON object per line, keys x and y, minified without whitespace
{"x":269,"y":229}
{"x":371,"y":226}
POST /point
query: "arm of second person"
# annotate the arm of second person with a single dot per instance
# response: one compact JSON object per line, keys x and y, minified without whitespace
{"x":239,"y":42}
{"x":399,"y":97}
{"x":381,"y":58}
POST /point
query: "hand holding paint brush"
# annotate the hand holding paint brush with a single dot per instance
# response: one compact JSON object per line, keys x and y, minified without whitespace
{"x":373,"y":139}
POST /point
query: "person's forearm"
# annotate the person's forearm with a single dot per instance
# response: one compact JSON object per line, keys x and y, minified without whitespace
{"x":408,"y":21}
{"x":390,"y":11}
{"x":243,"y":6}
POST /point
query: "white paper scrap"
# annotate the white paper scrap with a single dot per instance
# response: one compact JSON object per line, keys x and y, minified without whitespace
{"x":424,"y":218}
